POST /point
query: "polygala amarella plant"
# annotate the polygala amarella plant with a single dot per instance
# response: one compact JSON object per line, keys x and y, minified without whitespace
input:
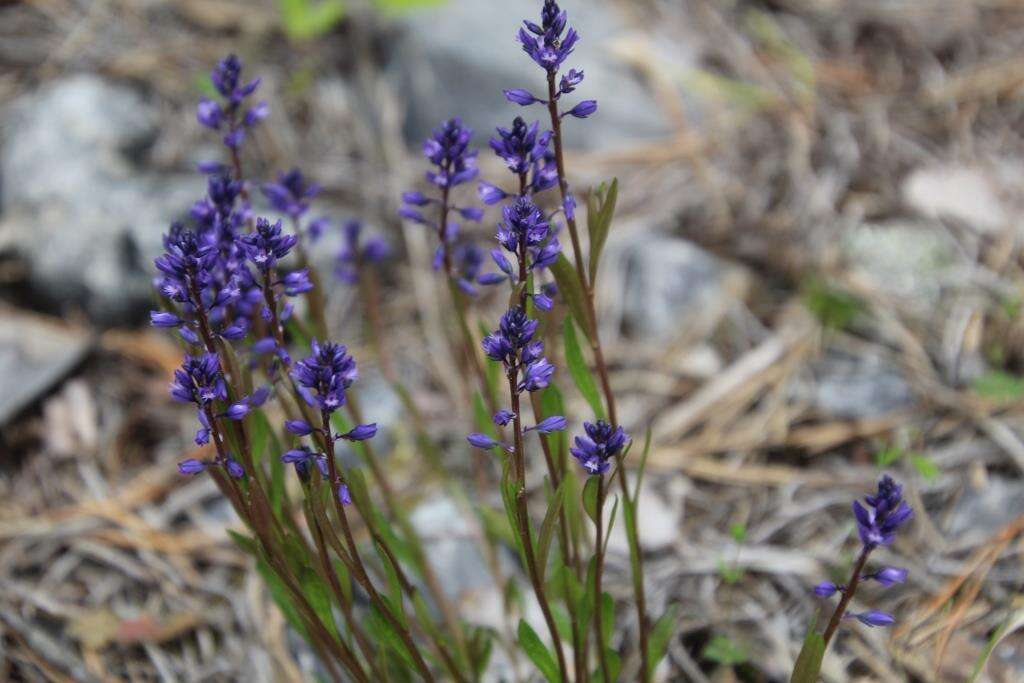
{"x":335,"y":544}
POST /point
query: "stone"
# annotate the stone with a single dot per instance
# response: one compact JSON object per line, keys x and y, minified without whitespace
{"x":35,"y":354}
{"x":458,"y":56}
{"x":78,"y":210}
{"x":673,"y":287}
{"x":968,"y":194}
{"x":852,"y":388}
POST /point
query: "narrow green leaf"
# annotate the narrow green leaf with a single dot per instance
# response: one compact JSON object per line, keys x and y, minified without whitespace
{"x":599,"y":224}
{"x":538,"y":653}
{"x":925,"y":466}
{"x":319,"y":597}
{"x":571,"y":290}
{"x":590,"y":497}
{"x":547,"y":527}
{"x":579,"y":370}
{"x":244,"y":542}
{"x":552,"y":403}
{"x":607,"y":617}
{"x":723,"y":650}
{"x":808,"y":662}
{"x":281,"y":596}
{"x":660,"y":634}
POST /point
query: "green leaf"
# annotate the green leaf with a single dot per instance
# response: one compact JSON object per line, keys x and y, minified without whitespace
{"x":281,"y":596}
{"x":888,"y":455}
{"x":552,"y":403}
{"x":304,"y":19}
{"x":600,"y":211}
{"x":660,"y":634}
{"x":590,"y":497}
{"x":808,"y":662}
{"x":396,"y":7}
{"x":729,"y":573}
{"x":738,"y":531}
{"x":319,"y":597}
{"x":607,"y":617}
{"x":724,"y":651}
{"x":835,"y":308}
{"x":244,"y":542}
{"x":547,"y":527}
{"x":925,"y":466}
{"x":579,"y":370}
{"x":571,"y":290}
{"x":999,"y":386}
{"x":538,"y":653}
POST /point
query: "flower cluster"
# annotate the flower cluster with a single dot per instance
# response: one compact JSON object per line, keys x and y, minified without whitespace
{"x":355,"y":252}
{"x":877,"y":524}
{"x":323,"y":378}
{"x":454,"y":164}
{"x":291,"y":193}
{"x":230,"y":114}
{"x":527,"y":153}
{"x":598,"y":448}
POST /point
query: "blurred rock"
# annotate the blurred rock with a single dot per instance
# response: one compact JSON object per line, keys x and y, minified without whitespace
{"x":979,"y":512}
{"x":457,"y":57}
{"x":673,"y":287}
{"x":75,"y":207}
{"x":854,"y":388}
{"x":966,"y":193}
{"x":910,"y":262}
{"x":34,"y":355}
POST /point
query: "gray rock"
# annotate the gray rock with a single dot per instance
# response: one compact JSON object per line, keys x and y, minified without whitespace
{"x":457,"y":57}
{"x":853,"y":388}
{"x":911,"y":262}
{"x":673,"y":287}
{"x":969,"y":194}
{"x":34,"y":356}
{"x":979,"y":511}
{"x":75,"y":207}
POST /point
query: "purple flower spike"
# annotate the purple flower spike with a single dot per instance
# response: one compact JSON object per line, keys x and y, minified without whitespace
{"x":328,"y":373}
{"x":889,"y":576}
{"x":267,"y":244}
{"x":600,"y":445}
{"x":191,"y":466}
{"x":545,"y":43}
{"x":885,"y":513}
{"x":199,"y":380}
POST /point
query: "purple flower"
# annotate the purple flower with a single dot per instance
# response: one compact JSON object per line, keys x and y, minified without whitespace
{"x":448,"y":149}
{"x":885,"y":514}
{"x":344,"y":496}
{"x":360,"y":432}
{"x":186,"y":267}
{"x":228,"y":113}
{"x":353,"y":254}
{"x":416,"y":198}
{"x":490,"y":194}
{"x":826,"y":589}
{"x":537,"y":375}
{"x":555,"y":423}
{"x":523,"y":98}
{"x":873,"y":618}
{"x":191,"y":466}
{"x":545,"y":43}
{"x":297,"y":282}
{"x":234,"y":469}
{"x":503,"y":417}
{"x":298,"y":427}
{"x":199,"y":380}
{"x":163,"y":319}
{"x":267,"y":244}
{"x":521,"y":146}
{"x":328,"y":372}
{"x":484,"y":442}
{"x":291,"y":193}
{"x":524,"y":225}
{"x":601,"y":443}
{"x":888,"y":576}
{"x":570,"y":81}
{"x":582,"y":110}
{"x":514,"y":333}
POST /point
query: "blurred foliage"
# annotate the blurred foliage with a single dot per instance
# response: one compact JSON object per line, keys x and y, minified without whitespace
{"x":725,"y":651}
{"x":306,"y":19}
{"x":834,"y":307}
{"x":999,"y":385}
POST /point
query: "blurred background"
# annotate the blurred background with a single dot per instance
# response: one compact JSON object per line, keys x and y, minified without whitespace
{"x":815,"y":273}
